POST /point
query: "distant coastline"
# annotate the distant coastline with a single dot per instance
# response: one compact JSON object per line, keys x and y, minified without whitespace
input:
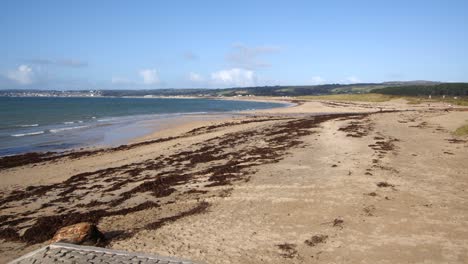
{"x":413,"y":88}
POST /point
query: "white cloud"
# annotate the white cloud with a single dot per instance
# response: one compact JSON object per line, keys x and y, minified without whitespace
{"x":23,"y":75}
{"x":150,"y":76}
{"x":317,"y":80}
{"x":195,"y":77}
{"x":248,"y":57}
{"x":234,"y":77}
{"x":352,"y":79}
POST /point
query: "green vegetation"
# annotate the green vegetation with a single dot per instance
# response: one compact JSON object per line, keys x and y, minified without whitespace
{"x":462,"y":101}
{"x":462,"y":131}
{"x":447,"y":89}
{"x":374,"y":97}
{"x":257,"y":91}
{"x":299,"y":90}
{"x":369,"y":92}
{"x":368,"y":97}
{"x":357,"y":89}
{"x":389,"y":88}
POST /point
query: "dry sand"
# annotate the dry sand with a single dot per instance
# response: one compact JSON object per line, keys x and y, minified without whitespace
{"x":275,"y":186}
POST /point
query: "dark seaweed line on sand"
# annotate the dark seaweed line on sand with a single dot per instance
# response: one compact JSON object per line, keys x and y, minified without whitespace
{"x":152,"y":177}
{"x":37,"y":157}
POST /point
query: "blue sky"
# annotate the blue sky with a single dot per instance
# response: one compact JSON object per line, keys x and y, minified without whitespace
{"x":187,"y":44}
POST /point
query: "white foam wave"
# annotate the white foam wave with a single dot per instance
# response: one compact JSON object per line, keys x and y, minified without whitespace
{"x":66,"y":128}
{"x":69,"y":123}
{"x":194,"y":113}
{"x":28,"y":134}
{"x":32,"y":125}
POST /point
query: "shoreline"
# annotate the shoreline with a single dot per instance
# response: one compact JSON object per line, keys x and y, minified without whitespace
{"x":214,"y":117}
{"x":148,"y":122}
{"x":259,"y":184}
{"x":293,"y":107}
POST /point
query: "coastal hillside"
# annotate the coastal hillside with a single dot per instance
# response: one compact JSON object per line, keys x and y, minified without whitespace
{"x":450,"y":89}
{"x":285,"y":90}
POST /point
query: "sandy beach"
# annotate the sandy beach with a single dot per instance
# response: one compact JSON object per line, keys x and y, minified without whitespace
{"x":318,"y":182}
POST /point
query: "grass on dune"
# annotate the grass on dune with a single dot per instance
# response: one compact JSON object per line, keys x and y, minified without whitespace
{"x":368,"y":97}
{"x":462,"y":131}
{"x":463,"y":101}
{"x":373,"y":97}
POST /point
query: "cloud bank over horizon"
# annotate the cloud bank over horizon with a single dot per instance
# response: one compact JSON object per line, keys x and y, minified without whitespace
{"x":234,"y":77}
{"x":149,"y":76}
{"x":22,"y":75}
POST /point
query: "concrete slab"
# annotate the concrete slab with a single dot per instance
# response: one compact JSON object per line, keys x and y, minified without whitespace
{"x":68,"y":253}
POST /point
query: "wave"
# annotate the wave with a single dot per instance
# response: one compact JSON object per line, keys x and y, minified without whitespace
{"x":28,"y":134}
{"x":66,"y":128}
{"x":68,"y":122}
{"x":31,"y":125}
{"x":194,"y":113}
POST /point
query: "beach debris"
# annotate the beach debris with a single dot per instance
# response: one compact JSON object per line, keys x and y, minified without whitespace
{"x":287,"y":250}
{"x":317,"y":239}
{"x":9,"y":234}
{"x":80,"y":234}
{"x":384,"y":146}
{"x":338,"y":222}
{"x":359,"y":128}
{"x":384,"y":184}
{"x":369,"y":210}
{"x":456,"y":141}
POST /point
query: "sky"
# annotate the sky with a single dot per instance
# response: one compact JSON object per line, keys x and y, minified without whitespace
{"x":88,"y":45}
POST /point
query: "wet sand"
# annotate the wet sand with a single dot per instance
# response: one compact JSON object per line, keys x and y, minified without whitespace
{"x":321,"y":182}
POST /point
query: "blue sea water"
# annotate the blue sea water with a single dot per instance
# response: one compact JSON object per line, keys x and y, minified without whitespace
{"x":55,"y":123}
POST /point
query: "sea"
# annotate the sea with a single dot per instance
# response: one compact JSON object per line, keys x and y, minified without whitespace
{"x":41,"y":124}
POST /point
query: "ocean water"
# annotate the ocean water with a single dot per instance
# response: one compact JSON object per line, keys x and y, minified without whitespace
{"x":54,"y":124}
